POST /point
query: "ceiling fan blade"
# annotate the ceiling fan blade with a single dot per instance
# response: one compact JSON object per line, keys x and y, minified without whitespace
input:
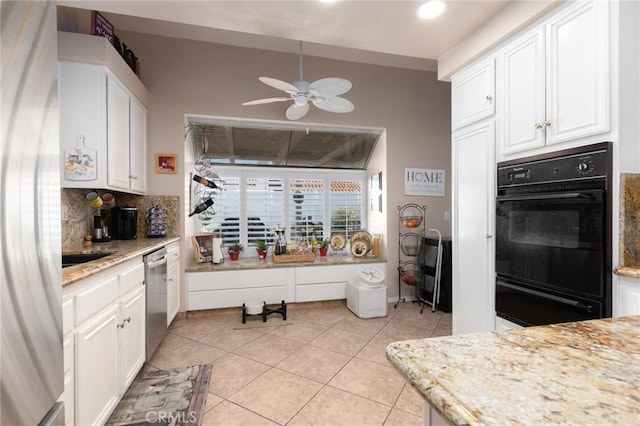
{"x":334,"y":104}
{"x":295,"y":112}
{"x":331,"y":86}
{"x":266,"y":101}
{"x":279,"y":84}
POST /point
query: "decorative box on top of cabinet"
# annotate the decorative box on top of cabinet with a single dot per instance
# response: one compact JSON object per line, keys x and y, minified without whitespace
{"x":103,"y":118}
{"x":554,"y":80}
{"x":473,"y":93}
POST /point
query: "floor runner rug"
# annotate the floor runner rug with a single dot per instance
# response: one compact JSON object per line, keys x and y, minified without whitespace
{"x":165,"y":397}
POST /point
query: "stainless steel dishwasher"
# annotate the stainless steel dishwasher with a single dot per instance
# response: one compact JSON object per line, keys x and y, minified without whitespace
{"x":155,"y":277}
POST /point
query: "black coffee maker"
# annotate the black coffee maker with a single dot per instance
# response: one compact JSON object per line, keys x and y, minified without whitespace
{"x":124,"y":221}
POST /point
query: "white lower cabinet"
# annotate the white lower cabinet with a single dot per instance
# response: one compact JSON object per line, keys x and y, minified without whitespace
{"x":628,"y":297}
{"x":232,"y":288}
{"x":97,"y":367}
{"x":473,"y":284}
{"x":173,"y":281}
{"x":432,"y":417}
{"x":132,"y":329}
{"x":104,"y":340}
{"x":68,"y":396}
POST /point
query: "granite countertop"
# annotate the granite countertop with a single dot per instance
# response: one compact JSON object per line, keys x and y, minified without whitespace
{"x":255,"y":263}
{"x":122,"y":250}
{"x":627,"y":271}
{"x":575,"y":373}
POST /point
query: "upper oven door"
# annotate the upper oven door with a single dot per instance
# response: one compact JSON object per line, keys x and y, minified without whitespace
{"x":553,"y":240}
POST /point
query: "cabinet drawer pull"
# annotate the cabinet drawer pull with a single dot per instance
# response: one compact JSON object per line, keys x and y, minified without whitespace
{"x":538,"y":126}
{"x":133,"y":177}
{"x":489,"y":98}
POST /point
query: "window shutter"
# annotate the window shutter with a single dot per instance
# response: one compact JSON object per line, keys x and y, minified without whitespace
{"x":346,"y":206}
{"x":264,"y":208}
{"x":306,"y":208}
{"x":226,"y":221}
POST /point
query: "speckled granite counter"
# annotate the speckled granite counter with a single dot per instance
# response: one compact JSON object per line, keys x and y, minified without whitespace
{"x":122,"y":250}
{"x":255,"y":263}
{"x":575,"y":373}
{"x":627,"y":271}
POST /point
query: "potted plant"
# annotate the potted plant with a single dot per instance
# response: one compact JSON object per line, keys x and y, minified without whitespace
{"x":235,"y":250}
{"x":323,"y":245}
{"x":261,"y":248}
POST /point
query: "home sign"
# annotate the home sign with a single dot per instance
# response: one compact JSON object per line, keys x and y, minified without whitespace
{"x":425,"y":182}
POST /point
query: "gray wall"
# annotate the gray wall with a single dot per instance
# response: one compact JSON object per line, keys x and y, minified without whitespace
{"x":191,"y":77}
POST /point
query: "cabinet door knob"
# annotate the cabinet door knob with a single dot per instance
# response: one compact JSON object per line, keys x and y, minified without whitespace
{"x":546,"y":123}
{"x":488,"y":236}
{"x":121,"y":325}
{"x":127,"y":319}
{"x":133,"y":177}
{"x":489,"y":98}
{"x":537,"y":126}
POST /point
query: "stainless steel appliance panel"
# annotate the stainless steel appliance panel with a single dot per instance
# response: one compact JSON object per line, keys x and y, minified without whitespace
{"x":155,"y":278}
{"x":30,"y":226}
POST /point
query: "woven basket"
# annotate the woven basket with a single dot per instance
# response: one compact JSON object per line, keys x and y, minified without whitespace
{"x":294,"y":258}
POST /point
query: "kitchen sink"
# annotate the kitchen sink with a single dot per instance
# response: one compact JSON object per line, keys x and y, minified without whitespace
{"x":75,"y":259}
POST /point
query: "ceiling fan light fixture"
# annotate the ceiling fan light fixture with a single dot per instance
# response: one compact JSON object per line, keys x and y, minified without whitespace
{"x":431,"y":9}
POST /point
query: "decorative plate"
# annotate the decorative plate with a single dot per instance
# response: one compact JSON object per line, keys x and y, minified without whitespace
{"x":359,"y":248}
{"x":338,"y":241}
{"x":363,"y":235}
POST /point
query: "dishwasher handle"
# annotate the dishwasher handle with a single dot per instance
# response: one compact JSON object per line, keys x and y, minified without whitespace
{"x":155,"y":263}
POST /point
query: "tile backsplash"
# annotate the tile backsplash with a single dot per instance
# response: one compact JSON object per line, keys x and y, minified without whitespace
{"x":79,"y":221}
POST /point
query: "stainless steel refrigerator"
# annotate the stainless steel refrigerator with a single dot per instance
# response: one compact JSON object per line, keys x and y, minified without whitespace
{"x":31,"y":373}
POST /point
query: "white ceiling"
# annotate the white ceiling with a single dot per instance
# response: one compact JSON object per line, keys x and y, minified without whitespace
{"x":379,"y":32}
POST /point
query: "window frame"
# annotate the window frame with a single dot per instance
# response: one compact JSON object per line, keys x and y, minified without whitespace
{"x":244,"y":172}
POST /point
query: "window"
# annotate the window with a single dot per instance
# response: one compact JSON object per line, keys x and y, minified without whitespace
{"x":346,"y":206}
{"x":306,"y":208}
{"x":253,"y":201}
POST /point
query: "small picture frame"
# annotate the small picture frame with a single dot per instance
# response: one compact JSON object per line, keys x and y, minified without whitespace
{"x":166,"y":163}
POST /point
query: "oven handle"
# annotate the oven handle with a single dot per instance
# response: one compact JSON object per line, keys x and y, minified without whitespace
{"x":569,"y":195}
{"x":564,"y":300}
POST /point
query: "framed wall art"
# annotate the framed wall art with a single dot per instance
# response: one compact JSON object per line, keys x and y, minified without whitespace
{"x":166,"y":163}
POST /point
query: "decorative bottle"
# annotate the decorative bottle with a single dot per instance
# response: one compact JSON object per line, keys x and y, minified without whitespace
{"x":202,"y":207}
{"x":205,"y":181}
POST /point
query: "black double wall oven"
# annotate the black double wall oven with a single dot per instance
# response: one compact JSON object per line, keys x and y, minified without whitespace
{"x":553,"y":237}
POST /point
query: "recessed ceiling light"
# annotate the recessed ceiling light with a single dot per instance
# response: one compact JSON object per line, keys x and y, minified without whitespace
{"x":431,"y":9}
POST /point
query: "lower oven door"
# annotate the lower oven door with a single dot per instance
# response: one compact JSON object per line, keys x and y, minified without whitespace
{"x":526,"y":306}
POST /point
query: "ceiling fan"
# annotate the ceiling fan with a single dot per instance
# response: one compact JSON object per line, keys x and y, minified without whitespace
{"x":323,"y":93}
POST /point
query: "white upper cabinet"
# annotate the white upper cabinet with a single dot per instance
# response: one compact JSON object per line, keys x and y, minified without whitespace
{"x":103,"y":118}
{"x":137,"y":146}
{"x":554,"y":80}
{"x":578,"y":72}
{"x":522,"y":93}
{"x":473,"y":94}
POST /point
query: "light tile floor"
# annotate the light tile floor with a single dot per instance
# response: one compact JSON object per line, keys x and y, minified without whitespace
{"x":328,"y":367}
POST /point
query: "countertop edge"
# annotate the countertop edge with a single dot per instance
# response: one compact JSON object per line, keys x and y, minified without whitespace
{"x":76,"y":273}
{"x":431,"y":390}
{"x":627,"y":271}
{"x":254,"y":263}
